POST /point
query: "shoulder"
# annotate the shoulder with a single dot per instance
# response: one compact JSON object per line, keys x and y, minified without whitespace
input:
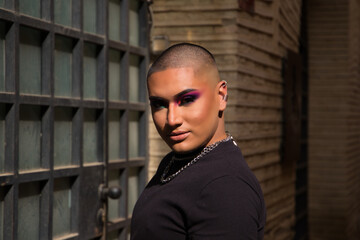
{"x":234,"y":193}
{"x":230,"y":180}
{"x":227,"y":160}
{"x":231,"y":205}
{"x":163,"y":163}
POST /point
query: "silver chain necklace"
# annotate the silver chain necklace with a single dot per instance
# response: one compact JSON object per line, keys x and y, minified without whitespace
{"x":205,"y":151}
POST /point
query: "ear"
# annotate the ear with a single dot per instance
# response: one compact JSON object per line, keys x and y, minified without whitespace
{"x":223,"y":96}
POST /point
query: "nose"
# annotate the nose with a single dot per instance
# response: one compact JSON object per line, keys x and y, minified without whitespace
{"x":174,"y":117}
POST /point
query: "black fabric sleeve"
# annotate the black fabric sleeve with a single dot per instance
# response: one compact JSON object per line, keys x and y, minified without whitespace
{"x":229,"y":208}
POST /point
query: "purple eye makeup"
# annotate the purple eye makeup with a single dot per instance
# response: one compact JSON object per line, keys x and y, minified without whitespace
{"x":183,"y":98}
{"x":187,"y":98}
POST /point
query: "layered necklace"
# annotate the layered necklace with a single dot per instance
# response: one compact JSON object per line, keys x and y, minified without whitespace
{"x":206,"y":150}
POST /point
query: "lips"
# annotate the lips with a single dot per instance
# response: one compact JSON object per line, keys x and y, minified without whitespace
{"x":178,"y":136}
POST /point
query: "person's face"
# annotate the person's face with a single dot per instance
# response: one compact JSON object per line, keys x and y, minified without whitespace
{"x":185,"y":107}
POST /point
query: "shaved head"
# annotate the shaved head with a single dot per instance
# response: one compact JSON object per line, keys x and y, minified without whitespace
{"x":187,"y":98}
{"x":186,"y":55}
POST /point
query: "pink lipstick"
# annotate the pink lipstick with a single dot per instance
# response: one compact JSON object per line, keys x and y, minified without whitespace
{"x":178,"y":136}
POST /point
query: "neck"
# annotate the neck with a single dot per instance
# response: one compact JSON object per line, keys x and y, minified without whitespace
{"x":220,"y":132}
{"x":188,"y":155}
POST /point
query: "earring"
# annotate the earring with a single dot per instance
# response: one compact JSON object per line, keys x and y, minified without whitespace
{"x":224,"y":85}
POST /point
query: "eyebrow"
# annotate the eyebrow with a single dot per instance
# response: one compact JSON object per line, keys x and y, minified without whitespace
{"x":154,"y":98}
{"x":184,"y":92}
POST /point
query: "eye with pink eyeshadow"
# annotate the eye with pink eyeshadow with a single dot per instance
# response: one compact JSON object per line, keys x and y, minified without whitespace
{"x":187,"y":98}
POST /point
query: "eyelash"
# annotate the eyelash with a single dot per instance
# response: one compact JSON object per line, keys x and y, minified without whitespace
{"x":187,"y":99}
{"x":158,"y":104}
{"x":181,"y":101}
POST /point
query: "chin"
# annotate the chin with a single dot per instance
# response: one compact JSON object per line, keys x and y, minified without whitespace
{"x":183,"y":147}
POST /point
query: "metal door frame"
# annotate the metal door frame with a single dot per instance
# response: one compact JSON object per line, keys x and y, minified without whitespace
{"x":13,"y":101}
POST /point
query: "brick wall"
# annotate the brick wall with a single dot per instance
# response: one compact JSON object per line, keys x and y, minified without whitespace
{"x":248,"y":49}
{"x":334,"y":119}
{"x":353,"y":122}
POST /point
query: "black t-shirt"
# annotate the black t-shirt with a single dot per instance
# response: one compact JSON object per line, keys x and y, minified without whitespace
{"x":218,"y":197}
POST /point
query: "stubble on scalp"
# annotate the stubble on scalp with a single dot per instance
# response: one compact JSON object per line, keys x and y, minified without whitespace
{"x":184,"y":55}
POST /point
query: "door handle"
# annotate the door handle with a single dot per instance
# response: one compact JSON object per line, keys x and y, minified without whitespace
{"x":113,"y":192}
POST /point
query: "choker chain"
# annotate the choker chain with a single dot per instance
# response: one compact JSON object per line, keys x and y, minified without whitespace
{"x":205,"y":151}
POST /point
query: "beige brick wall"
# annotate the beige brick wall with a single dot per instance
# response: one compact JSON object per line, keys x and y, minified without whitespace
{"x":334,"y":119}
{"x":248,"y":49}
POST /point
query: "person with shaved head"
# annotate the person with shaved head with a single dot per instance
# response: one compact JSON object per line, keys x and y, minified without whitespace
{"x":203,"y":189}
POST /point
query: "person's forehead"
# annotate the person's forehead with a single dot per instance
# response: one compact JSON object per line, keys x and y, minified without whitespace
{"x":178,"y":75}
{"x":174,"y":80}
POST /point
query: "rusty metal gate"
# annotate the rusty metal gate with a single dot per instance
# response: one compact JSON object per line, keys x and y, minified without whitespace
{"x":73,"y":117}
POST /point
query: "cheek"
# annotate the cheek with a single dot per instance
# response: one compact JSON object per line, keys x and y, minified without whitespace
{"x":159,"y":119}
{"x":202,"y":114}
{"x":199,"y":117}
